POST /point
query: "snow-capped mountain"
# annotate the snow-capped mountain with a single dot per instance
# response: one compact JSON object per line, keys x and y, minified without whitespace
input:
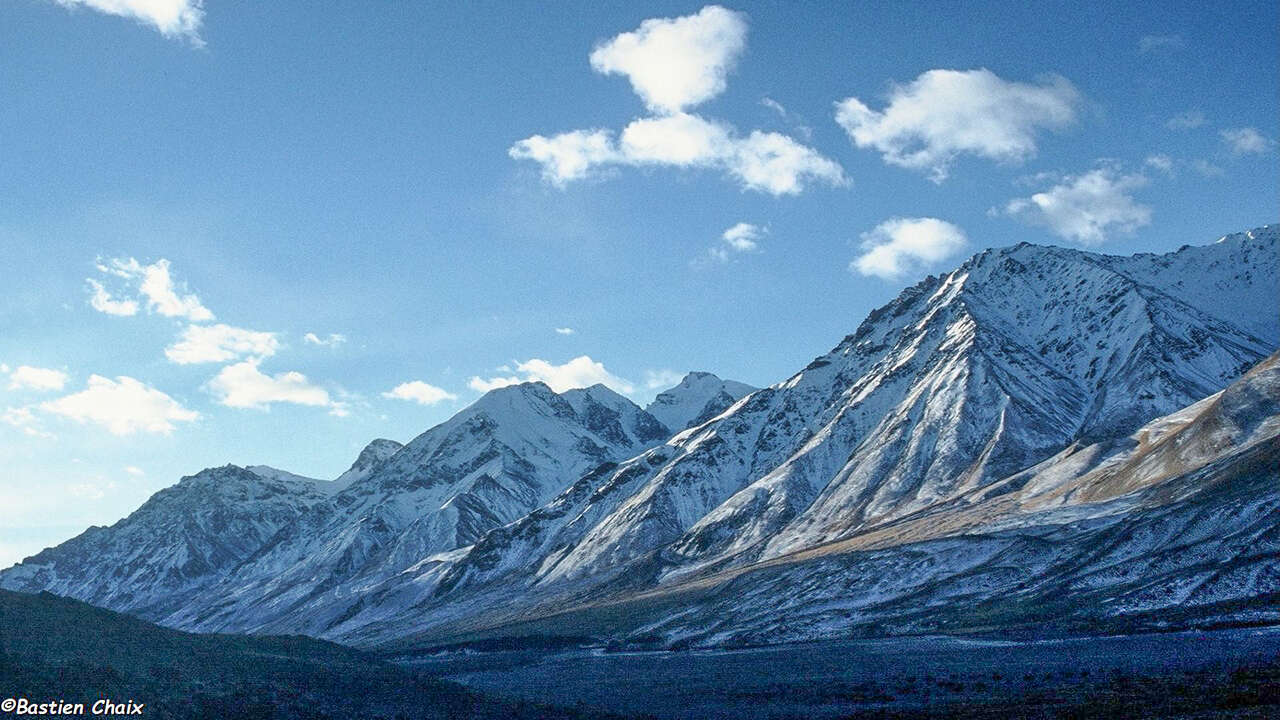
{"x":180,"y":541}
{"x":486,"y":466}
{"x":699,"y":397}
{"x":1002,"y":399}
{"x":961,"y":382}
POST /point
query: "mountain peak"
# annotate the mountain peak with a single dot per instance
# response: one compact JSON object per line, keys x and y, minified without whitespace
{"x":698,"y":397}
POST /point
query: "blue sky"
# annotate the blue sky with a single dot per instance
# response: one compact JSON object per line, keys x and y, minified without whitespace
{"x":452,"y":196}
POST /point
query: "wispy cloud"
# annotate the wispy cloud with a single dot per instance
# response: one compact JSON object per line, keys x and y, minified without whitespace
{"x":123,"y":406}
{"x":1152,"y":43}
{"x":155,"y":283}
{"x":946,"y":113}
{"x":661,"y":379}
{"x":579,"y":372}
{"x":564,"y":331}
{"x":1186,"y":120}
{"x":173,"y":18}
{"x":331,"y":340}
{"x":419,"y":392}
{"x":899,"y":246}
{"x":741,"y":238}
{"x":1246,"y":141}
{"x":1161,"y":162}
{"x":1086,"y":208}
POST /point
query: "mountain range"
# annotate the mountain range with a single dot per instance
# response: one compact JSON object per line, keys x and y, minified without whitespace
{"x":1042,"y":438}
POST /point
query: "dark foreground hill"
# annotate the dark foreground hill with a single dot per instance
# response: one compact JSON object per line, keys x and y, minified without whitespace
{"x":57,"y":649}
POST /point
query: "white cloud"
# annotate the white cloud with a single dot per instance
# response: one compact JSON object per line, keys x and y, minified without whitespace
{"x":763,"y":161}
{"x":419,"y":392}
{"x":173,"y":18}
{"x":661,"y":379}
{"x":776,"y":164}
{"x":901,"y":245}
{"x":579,"y":372}
{"x":741,"y":238}
{"x":564,"y":331}
{"x":35,"y":378}
{"x":1243,"y":141}
{"x":331,"y":340}
{"x":480,"y":384}
{"x":945,"y":113}
{"x":675,"y":63}
{"x":682,"y":140}
{"x":1187,"y":120}
{"x":1150,"y":43}
{"x":243,"y":385}
{"x":1161,"y":162}
{"x":220,"y":343}
{"x":123,"y":406}
{"x":567,"y":156}
{"x":1085,"y":208}
{"x":134,"y":470}
{"x":104,"y":303}
{"x":155,"y":282}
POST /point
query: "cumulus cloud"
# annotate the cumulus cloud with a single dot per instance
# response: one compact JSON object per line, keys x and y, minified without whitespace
{"x":945,"y":113}
{"x":1151,"y":43}
{"x":898,"y":246}
{"x":243,"y":385}
{"x":1085,"y":208}
{"x":567,"y":156}
{"x":419,"y":392}
{"x":1187,"y":120}
{"x":579,"y":372}
{"x":36,"y":378}
{"x":173,"y":18}
{"x":156,"y":284}
{"x":762,"y":161}
{"x":123,"y":406}
{"x":675,"y":63}
{"x":564,"y":331}
{"x":1246,"y":140}
{"x":102,"y":301}
{"x":220,"y":343}
{"x":330,"y":340}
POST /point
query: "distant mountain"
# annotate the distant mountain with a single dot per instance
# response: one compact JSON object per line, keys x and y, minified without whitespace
{"x":699,"y":397}
{"x":1024,"y":367}
{"x":395,"y":507}
{"x":55,"y":648}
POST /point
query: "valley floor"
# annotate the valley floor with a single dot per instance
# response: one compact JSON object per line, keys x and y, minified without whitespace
{"x":1225,"y":673}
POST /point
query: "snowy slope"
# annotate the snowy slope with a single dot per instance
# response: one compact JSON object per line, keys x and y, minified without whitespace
{"x":490,"y":464}
{"x":699,"y":397}
{"x":180,"y":541}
